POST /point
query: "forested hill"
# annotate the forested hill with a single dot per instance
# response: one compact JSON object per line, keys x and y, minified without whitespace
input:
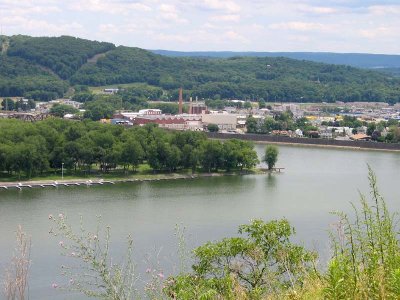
{"x":54,"y":64}
{"x":360,"y":60}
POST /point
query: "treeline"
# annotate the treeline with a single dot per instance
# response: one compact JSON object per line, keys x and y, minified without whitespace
{"x":29,"y":149}
{"x":280,"y":121}
{"x":255,"y":78}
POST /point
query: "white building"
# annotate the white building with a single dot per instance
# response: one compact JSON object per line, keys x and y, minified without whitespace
{"x":224,"y":121}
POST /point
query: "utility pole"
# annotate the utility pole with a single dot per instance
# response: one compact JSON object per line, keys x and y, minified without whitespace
{"x":62,"y":170}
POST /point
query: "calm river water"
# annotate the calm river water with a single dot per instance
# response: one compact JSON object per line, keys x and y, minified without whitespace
{"x":315,"y":182}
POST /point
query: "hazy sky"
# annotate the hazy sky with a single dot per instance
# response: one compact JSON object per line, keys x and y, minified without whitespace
{"x":235,"y":25}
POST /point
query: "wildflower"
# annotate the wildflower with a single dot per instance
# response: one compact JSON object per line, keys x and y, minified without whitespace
{"x":73,"y":254}
{"x":61,"y":243}
{"x":161,"y":275}
{"x":50,"y":217}
{"x":71,"y":281}
{"x":95,"y":237}
{"x":54,"y":285}
{"x":61,"y":216}
{"x":148,"y":270}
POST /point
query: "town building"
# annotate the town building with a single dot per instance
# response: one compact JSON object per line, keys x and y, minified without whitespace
{"x":224,"y":121}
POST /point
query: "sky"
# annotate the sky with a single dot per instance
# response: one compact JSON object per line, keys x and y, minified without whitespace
{"x":362,"y":26}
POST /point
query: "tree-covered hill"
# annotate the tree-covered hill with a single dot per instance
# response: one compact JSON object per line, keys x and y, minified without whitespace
{"x":19,"y":77}
{"x":359,"y":60}
{"x":31,"y":66}
{"x":242,"y":77}
{"x":63,"y":55}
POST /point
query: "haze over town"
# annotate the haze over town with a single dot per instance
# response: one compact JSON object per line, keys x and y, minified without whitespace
{"x":236,"y":25}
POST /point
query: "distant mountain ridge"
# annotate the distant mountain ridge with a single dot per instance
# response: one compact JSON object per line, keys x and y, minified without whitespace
{"x":360,"y":60}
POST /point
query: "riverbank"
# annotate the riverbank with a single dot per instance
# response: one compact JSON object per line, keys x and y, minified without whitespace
{"x":134,"y":178}
{"x":310,"y":142}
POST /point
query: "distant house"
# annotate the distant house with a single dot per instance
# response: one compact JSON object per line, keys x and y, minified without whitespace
{"x":326,"y":133}
{"x":150,"y":112}
{"x":360,"y":137}
{"x":298,"y":133}
{"x":111,"y":91}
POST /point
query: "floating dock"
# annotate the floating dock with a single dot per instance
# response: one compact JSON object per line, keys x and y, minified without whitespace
{"x":55,"y":184}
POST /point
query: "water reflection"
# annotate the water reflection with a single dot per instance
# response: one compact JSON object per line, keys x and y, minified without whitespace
{"x":271,"y":181}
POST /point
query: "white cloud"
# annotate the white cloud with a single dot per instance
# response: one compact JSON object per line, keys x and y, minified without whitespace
{"x":384,"y":10}
{"x":226,"y":18}
{"x":379,"y":32}
{"x":110,"y":7}
{"x":171,"y":38}
{"x":322,"y":10}
{"x":226,"y":6}
{"x":299,"y":26}
{"x":234,"y":36}
{"x":170,"y":13}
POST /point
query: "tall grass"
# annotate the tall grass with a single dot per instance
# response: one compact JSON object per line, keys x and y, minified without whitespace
{"x":366,"y":253}
{"x":15,"y":284}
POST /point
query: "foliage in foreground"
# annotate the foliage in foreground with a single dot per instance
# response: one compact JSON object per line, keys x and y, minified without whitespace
{"x":261,"y":263}
{"x":365,"y":262}
{"x":366,"y":259}
{"x":15,"y":283}
{"x":95,"y":273}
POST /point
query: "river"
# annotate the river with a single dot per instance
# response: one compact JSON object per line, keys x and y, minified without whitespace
{"x":315,"y":182}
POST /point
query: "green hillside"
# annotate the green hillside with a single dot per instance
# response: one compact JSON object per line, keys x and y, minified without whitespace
{"x":34,"y":63}
{"x":18,"y":77}
{"x":242,"y":77}
{"x":63,"y":55}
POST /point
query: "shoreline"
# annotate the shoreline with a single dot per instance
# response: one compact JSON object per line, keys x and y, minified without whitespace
{"x":355,"y":148}
{"x":19,"y":185}
{"x":308,"y":142}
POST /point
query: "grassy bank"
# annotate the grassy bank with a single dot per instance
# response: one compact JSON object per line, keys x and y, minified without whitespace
{"x":143,"y":172}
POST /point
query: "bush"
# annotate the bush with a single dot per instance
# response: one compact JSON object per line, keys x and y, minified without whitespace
{"x":262,"y":262}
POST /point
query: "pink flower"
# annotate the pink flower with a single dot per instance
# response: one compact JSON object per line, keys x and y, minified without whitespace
{"x":54,"y":285}
{"x":148,"y":270}
{"x":50,"y":217}
{"x":61,"y":243}
{"x":71,"y":281}
{"x":73,"y":254}
{"x":61,"y":216}
{"x":161,"y":275}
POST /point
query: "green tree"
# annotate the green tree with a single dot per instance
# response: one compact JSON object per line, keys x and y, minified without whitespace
{"x":271,"y":156}
{"x":60,"y":110}
{"x":211,"y":155}
{"x":96,"y":110}
{"x":212,"y":128}
{"x":8,"y":104}
{"x":251,"y":125}
{"x":132,"y":153}
{"x":262,"y":260}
